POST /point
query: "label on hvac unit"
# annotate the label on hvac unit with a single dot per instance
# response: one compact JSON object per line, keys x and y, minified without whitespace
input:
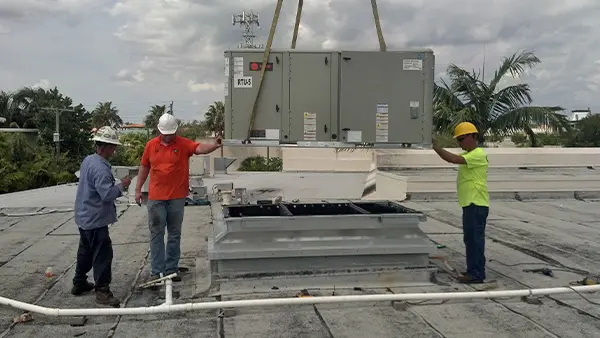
{"x":242,"y":82}
{"x":381,"y":123}
{"x":238,"y":66}
{"x":412,"y":64}
{"x":310,"y":126}
{"x":227,"y":67}
{"x":414,"y":109}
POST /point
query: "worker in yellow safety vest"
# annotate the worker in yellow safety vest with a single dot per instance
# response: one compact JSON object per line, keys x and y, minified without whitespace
{"x":473,"y":197}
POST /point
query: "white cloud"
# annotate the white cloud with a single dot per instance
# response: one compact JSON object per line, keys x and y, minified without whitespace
{"x":199,"y":87}
{"x":126,"y":76}
{"x":159,"y":45}
{"x":43,"y":83}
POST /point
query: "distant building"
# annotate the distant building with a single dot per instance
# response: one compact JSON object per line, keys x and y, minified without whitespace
{"x":577,"y":115}
{"x":129,"y":128}
{"x":133,"y":128}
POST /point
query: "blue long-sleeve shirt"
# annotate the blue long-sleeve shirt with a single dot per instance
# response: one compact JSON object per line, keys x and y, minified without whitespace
{"x":96,"y":194}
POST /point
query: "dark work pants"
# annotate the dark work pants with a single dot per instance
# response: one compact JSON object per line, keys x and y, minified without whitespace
{"x":95,"y":251}
{"x":474,"y":222}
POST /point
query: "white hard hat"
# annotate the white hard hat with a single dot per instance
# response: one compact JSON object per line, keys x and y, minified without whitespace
{"x":107,"y":135}
{"x":167,"y":124}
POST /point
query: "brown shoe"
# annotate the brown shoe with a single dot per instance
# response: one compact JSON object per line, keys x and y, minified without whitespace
{"x":466,"y":279}
{"x":105,"y":297}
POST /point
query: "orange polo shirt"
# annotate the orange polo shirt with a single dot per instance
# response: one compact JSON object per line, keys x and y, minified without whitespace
{"x":169,"y":167}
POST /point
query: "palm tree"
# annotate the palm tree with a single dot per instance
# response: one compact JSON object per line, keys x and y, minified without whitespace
{"x":16,"y":107}
{"x":105,"y":114}
{"x":151,"y":120}
{"x":7,"y":107}
{"x":214,"y":118}
{"x":494,"y":110}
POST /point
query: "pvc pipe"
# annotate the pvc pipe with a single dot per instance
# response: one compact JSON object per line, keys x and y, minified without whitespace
{"x":166,"y":308}
{"x":168,"y":292}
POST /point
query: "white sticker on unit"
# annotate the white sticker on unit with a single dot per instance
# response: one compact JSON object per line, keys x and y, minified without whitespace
{"x":381,"y":122}
{"x":242,"y":82}
{"x":310,"y":126}
{"x":414,"y":104}
{"x":238,"y":66}
{"x":412,"y":64}
{"x":354,"y":136}
{"x":226,"y":66}
{"x":272,"y":134}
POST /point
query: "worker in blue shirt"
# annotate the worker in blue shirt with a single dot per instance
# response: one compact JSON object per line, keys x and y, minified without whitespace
{"x":95,"y":210}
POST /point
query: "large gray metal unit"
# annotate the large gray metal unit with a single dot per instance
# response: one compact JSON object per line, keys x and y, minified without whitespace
{"x":331,"y":96}
{"x":328,"y":244}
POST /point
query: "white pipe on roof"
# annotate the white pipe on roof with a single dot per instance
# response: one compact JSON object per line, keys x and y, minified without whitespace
{"x":167,"y":308}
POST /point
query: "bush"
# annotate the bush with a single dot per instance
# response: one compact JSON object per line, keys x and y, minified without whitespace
{"x":24,"y":167}
{"x":520,"y":140}
{"x":586,"y":133}
{"x":261,"y":163}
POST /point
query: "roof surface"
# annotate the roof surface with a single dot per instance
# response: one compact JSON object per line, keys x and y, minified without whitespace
{"x":552,"y":231}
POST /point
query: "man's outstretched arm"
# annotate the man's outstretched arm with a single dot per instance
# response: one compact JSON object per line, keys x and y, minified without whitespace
{"x":203,"y":149}
{"x":448,"y":156}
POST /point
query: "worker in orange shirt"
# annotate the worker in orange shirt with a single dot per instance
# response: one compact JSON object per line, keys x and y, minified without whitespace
{"x":166,"y":158}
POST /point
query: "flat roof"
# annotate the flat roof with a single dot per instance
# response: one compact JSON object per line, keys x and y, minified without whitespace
{"x":555,"y":233}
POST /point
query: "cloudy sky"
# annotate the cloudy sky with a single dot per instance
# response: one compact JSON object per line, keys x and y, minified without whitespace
{"x":137,"y":53}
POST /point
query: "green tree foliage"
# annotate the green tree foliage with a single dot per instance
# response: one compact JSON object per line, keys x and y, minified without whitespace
{"x":105,"y":114}
{"x":586,"y":133}
{"x":151,"y":120}
{"x":37,"y":108}
{"x":214,"y":119}
{"x":261,"y":163}
{"x":502,"y":111}
{"x":131,"y":150}
{"x":23,"y":166}
{"x":192,"y":130}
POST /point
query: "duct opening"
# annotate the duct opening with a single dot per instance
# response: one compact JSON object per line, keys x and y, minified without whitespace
{"x":315,"y":209}
{"x":258,"y":210}
{"x":384,"y":207}
{"x":322,"y":209}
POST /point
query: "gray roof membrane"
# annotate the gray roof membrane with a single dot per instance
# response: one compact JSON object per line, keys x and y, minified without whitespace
{"x":559,"y":233}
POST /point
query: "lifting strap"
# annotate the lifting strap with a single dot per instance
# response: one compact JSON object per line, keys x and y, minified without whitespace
{"x":382,"y":47}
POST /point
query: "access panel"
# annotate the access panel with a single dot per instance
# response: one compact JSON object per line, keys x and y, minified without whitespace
{"x":310,"y":97}
{"x":243,"y":75}
{"x":386,"y":97}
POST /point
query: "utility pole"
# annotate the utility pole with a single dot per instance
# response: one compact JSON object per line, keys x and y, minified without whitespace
{"x":171,"y":108}
{"x":56,"y":136}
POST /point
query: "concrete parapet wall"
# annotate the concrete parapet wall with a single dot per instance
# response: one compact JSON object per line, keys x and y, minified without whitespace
{"x":326,"y":159}
{"x":437,"y":182}
{"x":498,"y":157}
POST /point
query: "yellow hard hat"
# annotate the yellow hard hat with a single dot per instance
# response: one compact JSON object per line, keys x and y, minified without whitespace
{"x":465,"y":128}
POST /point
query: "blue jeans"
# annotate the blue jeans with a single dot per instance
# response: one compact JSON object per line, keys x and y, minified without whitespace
{"x":474,"y":222}
{"x":165,"y":215}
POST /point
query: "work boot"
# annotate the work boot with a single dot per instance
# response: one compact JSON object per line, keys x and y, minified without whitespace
{"x":79,"y":289}
{"x":467,"y":279}
{"x":105,"y":297}
{"x":176,"y":278}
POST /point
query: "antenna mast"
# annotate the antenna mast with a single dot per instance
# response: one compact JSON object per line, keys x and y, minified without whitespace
{"x":247,"y":21}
